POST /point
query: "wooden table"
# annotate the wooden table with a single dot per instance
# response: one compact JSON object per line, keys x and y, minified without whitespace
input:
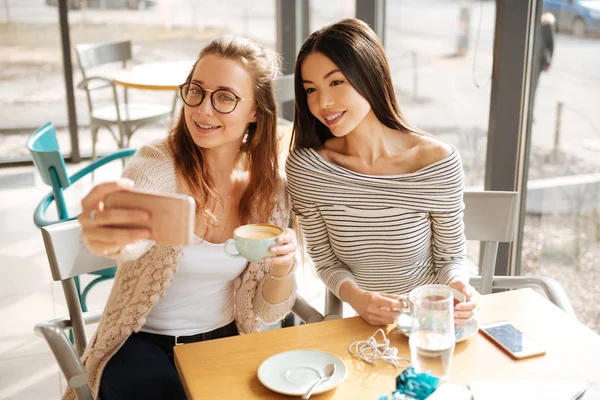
{"x":226,"y":368}
{"x":155,"y":76}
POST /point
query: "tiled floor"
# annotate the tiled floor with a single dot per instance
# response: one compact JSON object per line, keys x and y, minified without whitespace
{"x":28,"y":370}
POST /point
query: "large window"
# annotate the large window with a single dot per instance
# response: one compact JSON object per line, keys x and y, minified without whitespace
{"x":323,"y":13}
{"x":441,"y":57}
{"x":562,"y":220}
{"x":31,"y":77}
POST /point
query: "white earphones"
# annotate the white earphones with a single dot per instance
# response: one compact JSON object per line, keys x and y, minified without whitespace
{"x":370,"y":350}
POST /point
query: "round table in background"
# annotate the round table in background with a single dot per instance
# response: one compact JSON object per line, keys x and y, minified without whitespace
{"x":155,"y":76}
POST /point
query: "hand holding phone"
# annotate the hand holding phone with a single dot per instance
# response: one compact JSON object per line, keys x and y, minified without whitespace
{"x":511,"y":340}
{"x":115,"y":215}
{"x":172,"y":216}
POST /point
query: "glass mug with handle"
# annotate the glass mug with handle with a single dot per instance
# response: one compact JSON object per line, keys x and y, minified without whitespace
{"x":404,"y":322}
{"x":253,"y":241}
{"x":432,"y":337}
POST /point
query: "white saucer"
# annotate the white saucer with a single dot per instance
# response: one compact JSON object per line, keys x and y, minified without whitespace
{"x":294,"y":372}
{"x":461,"y":333}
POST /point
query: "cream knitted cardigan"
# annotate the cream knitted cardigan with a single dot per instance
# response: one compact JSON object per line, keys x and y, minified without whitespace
{"x":145,"y":271}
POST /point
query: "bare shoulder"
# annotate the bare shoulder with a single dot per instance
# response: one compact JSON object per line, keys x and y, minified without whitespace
{"x":430,"y":150}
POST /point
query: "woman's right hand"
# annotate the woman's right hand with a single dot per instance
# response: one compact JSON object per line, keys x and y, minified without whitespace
{"x":376,"y":308}
{"x":106,"y":231}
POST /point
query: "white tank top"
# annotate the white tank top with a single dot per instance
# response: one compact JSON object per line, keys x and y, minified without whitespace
{"x":200,"y":298}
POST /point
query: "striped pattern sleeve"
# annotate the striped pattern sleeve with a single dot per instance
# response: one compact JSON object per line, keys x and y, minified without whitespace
{"x":448,"y":245}
{"x":448,"y":240}
{"x":329,"y":268}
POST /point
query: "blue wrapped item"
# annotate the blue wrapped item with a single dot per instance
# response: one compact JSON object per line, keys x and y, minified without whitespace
{"x":416,"y":386}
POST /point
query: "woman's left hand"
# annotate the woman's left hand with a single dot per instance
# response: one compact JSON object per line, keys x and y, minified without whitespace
{"x":285,"y":254}
{"x":464,"y":312}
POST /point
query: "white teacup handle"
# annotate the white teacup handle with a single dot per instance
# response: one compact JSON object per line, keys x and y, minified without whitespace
{"x":227,"y":243}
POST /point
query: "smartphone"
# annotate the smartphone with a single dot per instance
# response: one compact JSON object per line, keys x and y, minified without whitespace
{"x":173,"y":216}
{"x":511,"y":340}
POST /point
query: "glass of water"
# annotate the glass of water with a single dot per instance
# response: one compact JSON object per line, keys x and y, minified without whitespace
{"x":432,"y":335}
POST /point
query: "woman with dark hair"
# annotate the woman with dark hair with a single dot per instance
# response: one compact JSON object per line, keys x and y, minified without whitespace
{"x":380,"y":203}
{"x":222,"y":152}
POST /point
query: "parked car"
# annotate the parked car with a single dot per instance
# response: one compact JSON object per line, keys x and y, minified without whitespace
{"x":578,"y":17}
{"x":77,"y":4}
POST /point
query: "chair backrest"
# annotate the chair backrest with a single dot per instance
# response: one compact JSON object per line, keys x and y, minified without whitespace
{"x":491,"y":218}
{"x":69,"y":258}
{"x":97,"y":54}
{"x":284,"y":90}
{"x":66,"y":253}
{"x":47,"y":157}
{"x":490,"y":215}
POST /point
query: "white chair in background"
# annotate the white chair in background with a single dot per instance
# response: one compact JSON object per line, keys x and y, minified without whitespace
{"x":124,"y":116}
{"x":491,"y":218}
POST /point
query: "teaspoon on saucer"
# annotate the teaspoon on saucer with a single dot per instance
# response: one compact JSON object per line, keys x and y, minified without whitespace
{"x":327,"y":373}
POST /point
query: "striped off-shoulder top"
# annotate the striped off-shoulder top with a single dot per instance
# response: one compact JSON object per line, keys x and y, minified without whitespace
{"x":388,"y":233}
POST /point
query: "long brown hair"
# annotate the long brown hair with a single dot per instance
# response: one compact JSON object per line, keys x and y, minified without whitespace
{"x":355,"y":49}
{"x":260,"y":145}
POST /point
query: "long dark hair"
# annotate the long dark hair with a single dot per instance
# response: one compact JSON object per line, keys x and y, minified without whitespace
{"x":260,"y":144}
{"x":355,"y":49}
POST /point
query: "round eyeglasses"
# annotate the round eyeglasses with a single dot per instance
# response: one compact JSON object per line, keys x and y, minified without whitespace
{"x":222,"y":100}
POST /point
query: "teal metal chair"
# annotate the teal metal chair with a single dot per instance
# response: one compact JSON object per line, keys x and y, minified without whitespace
{"x":48,"y":159}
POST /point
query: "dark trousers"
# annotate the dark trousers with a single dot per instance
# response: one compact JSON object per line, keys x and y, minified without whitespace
{"x":143,"y":368}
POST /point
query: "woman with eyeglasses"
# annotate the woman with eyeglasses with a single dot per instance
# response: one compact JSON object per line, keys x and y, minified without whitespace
{"x":380,"y":202}
{"x":222,"y":152}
